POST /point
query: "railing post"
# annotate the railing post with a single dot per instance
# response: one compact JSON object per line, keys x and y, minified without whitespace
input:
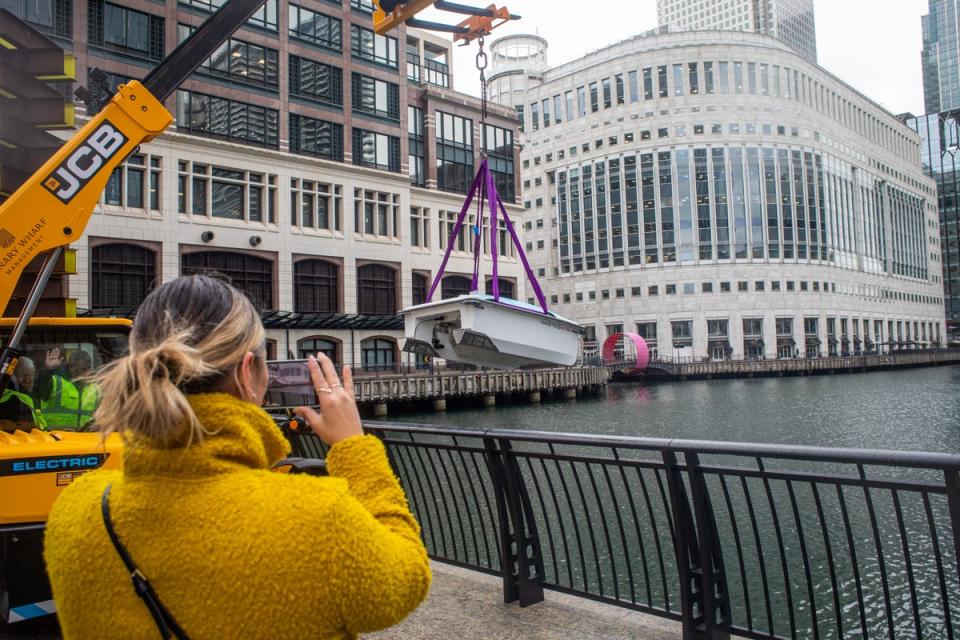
{"x":521,"y":560}
{"x":497,"y":475}
{"x":716,"y":602}
{"x":685,"y":549}
{"x":952,"y":480}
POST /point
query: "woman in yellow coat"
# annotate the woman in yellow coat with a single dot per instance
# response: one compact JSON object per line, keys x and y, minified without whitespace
{"x":231,"y":549}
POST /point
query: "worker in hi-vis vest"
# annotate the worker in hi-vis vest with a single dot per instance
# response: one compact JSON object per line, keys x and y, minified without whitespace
{"x":66,"y":402}
{"x":17,"y":408}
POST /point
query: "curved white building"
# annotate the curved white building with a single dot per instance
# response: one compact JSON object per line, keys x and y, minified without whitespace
{"x":723,"y":197}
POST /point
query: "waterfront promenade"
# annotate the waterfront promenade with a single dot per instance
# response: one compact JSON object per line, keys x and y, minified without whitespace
{"x":469,"y":605}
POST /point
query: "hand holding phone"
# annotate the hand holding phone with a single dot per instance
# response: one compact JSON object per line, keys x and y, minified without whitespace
{"x":338,"y":418}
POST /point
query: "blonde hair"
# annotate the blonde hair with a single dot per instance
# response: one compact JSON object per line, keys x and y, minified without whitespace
{"x":189,"y":335}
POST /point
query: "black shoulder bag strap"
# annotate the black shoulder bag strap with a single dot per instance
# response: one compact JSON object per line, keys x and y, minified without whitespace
{"x":165,"y":621}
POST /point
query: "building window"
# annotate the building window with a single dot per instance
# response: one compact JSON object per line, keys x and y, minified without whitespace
{"x":420,"y":227}
{"x":316,"y":205}
{"x":682,"y":331}
{"x":250,"y":274}
{"x":376,"y":290}
{"x":134,"y":185}
{"x":239,"y":62}
{"x":753,"y":338}
{"x":453,"y":286}
{"x":438,"y":72}
{"x":223,"y":118}
{"x":318,"y":138}
{"x":316,"y":81}
{"x":54,"y":17}
{"x":420,"y":284}
{"x":316,"y":287}
{"x":315,"y":28}
{"x":362,"y":5}
{"x":376,"y":150}
{"x":312,"y":346}
{"x":506,"y":288}
{"x":367,"y":45}
{"x":648,"y":331}
{"x":264,"y":18}
{"x":416,"y":156}
{"x":500,"y":160}
{"x":718,"y":344}
{"x":222,"y":192}
{"x":811,"y":337}
{"x":454,"y":152}
{"x":377,"y":354}
{"x":125,"y":31}
{"x":447,"y":225}
{"x":376,"y":97}
{"x":376,"y":213}
{"x":785,"y":342}
{"x":121,"y":275}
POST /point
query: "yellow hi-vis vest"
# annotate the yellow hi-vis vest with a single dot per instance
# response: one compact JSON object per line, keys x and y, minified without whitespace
{"x":38,"y":420}
{"x":69,"y":407}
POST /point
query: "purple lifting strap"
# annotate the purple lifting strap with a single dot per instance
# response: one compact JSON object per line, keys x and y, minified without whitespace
{"x":454,"y":234}
{"x":493,"y":197}
{"x":486,"y":186}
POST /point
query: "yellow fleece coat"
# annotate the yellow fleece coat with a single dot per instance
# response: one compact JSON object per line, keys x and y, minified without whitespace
{"x":235,"y":550}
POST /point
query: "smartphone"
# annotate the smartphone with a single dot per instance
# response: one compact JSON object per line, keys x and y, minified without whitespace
{"x":289,"y":385}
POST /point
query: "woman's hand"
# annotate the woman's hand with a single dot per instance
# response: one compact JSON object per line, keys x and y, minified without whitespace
{"x":338,"y":418}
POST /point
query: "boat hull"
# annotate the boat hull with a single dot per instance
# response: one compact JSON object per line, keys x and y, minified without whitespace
{"x":477,"y":330}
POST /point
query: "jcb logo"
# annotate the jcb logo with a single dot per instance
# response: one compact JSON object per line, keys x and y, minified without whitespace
{"x":85,"y":162}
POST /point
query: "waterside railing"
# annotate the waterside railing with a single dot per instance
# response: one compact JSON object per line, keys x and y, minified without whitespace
{"x":756,"y":541}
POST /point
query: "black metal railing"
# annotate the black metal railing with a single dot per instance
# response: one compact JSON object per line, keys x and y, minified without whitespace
{"x":757,"y":541}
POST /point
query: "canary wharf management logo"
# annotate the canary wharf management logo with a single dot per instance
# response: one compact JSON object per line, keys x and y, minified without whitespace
{"x":6,"y":238}
{"x":85,"y":162}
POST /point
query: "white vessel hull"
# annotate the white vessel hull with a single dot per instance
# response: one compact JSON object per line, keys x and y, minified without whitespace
{"x":475,"y":329}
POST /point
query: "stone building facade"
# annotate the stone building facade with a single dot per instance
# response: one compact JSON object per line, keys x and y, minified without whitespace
{"x":723,"y":197}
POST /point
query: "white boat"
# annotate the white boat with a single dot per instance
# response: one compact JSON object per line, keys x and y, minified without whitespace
{"x":476,"y":329}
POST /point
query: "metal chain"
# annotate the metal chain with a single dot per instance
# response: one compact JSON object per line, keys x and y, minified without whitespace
{"x":481,"y":66}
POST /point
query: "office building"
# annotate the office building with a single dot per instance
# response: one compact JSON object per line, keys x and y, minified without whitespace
{"x":940,"y":157}
{"x":723,"y":197}
{"x":940,"y":57}
{"x":791,"y":21}
{"x":317,"y":164}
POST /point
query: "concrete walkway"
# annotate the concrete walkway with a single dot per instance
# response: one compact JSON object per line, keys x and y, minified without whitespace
{"x":469,"y":605}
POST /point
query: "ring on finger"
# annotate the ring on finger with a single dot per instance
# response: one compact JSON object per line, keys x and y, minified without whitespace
{"x":335,"y":385}
{"x":327,"y":390}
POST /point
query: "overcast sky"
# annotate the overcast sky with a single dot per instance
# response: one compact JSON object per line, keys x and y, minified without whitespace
{"x":873,"y":45}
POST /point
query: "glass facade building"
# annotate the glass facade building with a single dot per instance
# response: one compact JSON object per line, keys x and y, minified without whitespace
{"x":940,"y":56}
{"x":727,"y":196}
{"x":790,"y":21}
{"x":940,"y":157}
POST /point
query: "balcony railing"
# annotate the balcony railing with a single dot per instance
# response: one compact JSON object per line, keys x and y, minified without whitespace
{"x":437,"y":73}
{"x":756,"y":541}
